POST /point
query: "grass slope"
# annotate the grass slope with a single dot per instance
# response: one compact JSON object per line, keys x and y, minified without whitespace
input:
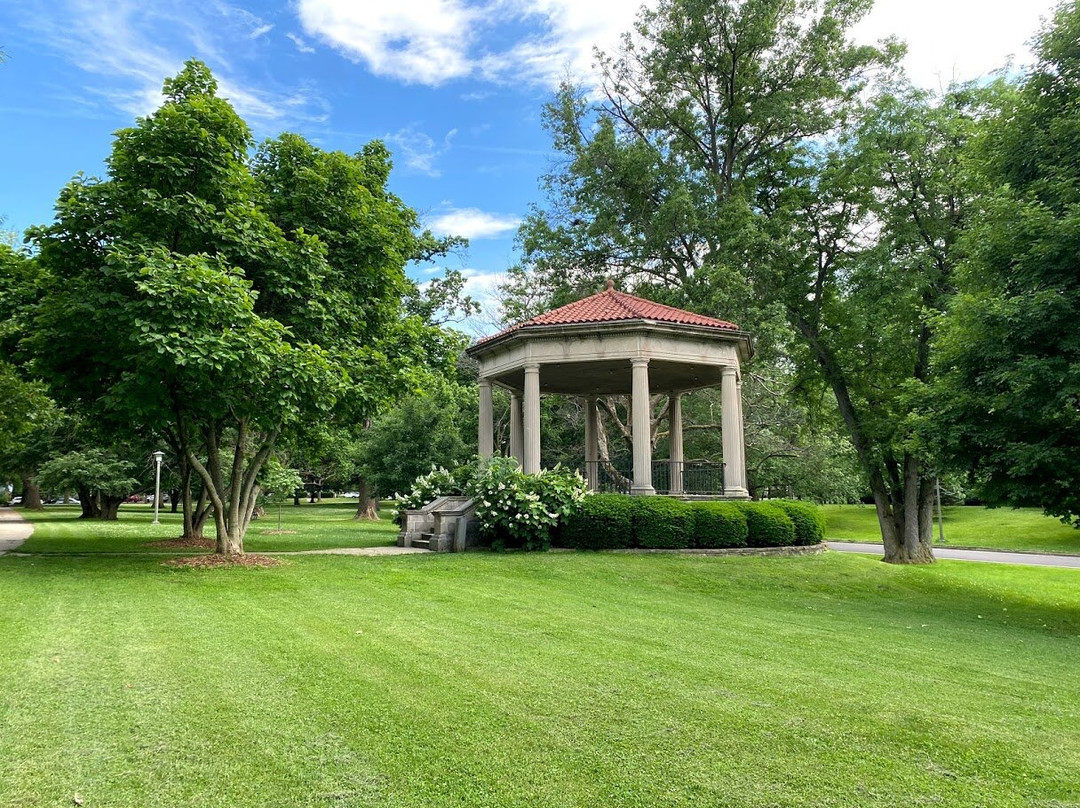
{"x":1025,"y":529}
{"x":562,"y":679}
{"x":330,"y":524}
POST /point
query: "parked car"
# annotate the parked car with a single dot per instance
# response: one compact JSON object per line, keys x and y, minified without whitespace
{"x":16,"y":500}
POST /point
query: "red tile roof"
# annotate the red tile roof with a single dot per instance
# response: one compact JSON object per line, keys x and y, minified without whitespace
{"x":610,"y":306}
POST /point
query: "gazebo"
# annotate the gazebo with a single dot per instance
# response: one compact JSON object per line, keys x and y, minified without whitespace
{"x":613,"y":343}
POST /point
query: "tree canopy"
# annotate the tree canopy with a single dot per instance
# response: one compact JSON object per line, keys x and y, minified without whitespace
{"x":1007,"y":406}
{"x":203,"y":294}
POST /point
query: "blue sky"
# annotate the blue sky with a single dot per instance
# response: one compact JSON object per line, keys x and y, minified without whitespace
{"x":455,"y":87}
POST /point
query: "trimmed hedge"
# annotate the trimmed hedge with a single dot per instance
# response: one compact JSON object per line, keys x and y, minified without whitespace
{"x":719,"y":524}
{"x":614,"y":521}
{"x":601,"y":522}
{"x":808,"y":519}
{"x":663,"y":524}
{"x":767,"y":525}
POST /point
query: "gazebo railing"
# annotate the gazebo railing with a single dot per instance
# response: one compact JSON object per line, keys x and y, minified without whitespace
{"x":699,"y":477}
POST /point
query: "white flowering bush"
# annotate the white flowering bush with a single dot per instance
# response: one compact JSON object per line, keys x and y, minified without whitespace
{"x":521,"y":510}
{"x":436,"y":483}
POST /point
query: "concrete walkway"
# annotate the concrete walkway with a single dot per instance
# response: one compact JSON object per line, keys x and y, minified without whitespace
{"x":14,"y":530}
{"x":985,"y":556}
{"x":352,"y":551}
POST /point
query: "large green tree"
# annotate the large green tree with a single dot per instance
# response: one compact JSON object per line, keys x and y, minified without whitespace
{"x":179,"y":303}
{"x":1007,"y":406}
{"x":736,"y":167}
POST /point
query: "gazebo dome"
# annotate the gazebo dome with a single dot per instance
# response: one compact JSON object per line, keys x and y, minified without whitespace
{"x":611,"y":306}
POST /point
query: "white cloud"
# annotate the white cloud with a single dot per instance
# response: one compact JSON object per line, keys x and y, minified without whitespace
{"x":542,"y":41}
{"x":301,"y":45}
{"x":418,"y":150}
{"x":122,"y":42}
{"x":423,"y":41}
{"x":956,"y":40}
{"x":473,"y":223}
{"x":433,"y":41}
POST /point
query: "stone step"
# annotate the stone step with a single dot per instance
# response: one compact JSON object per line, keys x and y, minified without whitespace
{"x":424,"y":542}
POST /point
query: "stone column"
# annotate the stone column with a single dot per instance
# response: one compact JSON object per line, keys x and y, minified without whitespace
{"x":731,"y":424}
{"x":642,"y":485}
{"x":486,"y":431}
{"x":742,"y":430}
{"x":675,"y":455}
{"x":592,"y":444}
{"x":517,"y":434}
{"x":530,"y":454}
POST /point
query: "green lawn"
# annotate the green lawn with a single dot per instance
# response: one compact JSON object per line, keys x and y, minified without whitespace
{"x":559,"y":679}
{"x":1025,"y":529}
{"x":329,"y":524}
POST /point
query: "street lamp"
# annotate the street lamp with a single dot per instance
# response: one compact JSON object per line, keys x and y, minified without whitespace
{"x":158,"y":455}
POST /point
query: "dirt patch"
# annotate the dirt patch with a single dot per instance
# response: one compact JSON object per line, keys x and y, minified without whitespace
{"x":184,"y":544}
{"x":212,"y":560}
{"x":277,"y":533}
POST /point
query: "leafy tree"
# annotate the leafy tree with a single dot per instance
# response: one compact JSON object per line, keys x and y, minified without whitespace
{"x":278,"y":484}
{"x":178,"y":301}
{"x":97,"y":474}
{"x":435,"y":428}
{"x":1007,"y":405}
{"x":735,"y":167}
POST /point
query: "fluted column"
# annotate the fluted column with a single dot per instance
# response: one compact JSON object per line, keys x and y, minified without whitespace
{"x":517,"y":434}
{"x":641,"y":431}
{"x":530,"y":463}
{"x":731,"y":424}
{"x":676,"y":442}
{"x":592,"y":443}
{"x":486,"y":430}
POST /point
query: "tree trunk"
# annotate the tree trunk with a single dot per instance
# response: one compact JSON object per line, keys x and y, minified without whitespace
{"x":174,"y":500}
{"x":109,"y":507}
{"x":88,"y":503}
{"x":367,"y":507}
{"x":905,"y":516}
{"x":31,"y":493}
{"x":233,"y":500}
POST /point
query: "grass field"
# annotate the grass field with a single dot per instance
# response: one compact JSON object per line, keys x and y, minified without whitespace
{"x":1024,"y":529}
{"x":311,"y":527}
{"x":559,"y":679}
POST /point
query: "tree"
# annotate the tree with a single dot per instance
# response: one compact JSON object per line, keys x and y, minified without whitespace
{"x":98,"y":475}
{"x":734,"y":167}
{"x":434,"y":428}
{"x":1007,"y":405}
{"x":178,"y":301}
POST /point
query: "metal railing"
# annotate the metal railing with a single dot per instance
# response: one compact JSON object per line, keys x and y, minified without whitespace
{"x":693,"y":477}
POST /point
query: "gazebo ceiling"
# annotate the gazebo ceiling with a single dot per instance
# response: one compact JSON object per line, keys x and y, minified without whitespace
{"x":613,"y":377}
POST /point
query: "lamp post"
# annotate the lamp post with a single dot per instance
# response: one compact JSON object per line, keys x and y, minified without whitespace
{"x":158,"y":455}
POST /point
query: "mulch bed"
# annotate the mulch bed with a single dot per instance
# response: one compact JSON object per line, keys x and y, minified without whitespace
{"x":212,"y":561}
{"x":184,"y":544}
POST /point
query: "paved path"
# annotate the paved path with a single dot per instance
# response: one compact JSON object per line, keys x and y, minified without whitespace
{"x":986,"y":556}
{"x":14,"y":530}
{"x":357,"y":551}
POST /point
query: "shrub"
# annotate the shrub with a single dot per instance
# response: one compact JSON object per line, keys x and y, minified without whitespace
{"x":601,"y":522}
{"x":522,"y":510}
{"x":767,"y":525}
{"x":662,"y":523}
{"x":808,"y":519}
{"x":719,"y":524}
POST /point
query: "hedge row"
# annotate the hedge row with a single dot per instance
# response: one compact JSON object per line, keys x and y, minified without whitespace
{"x":614,"y":521}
